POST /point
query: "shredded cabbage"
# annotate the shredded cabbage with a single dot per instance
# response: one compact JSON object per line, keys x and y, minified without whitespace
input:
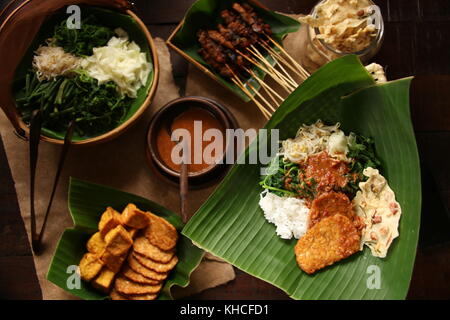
{"x":314,"y":139}
{"x":120,"y":61}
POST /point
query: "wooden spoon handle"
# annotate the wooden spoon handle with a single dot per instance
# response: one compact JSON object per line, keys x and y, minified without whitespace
{"x":184,"y":191}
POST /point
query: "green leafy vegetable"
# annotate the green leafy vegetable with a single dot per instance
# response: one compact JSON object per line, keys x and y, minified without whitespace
{"x":81,"y":41}
{"x":95,"y":108}
{"x":284,"y":179}
{"x":362,"y":150}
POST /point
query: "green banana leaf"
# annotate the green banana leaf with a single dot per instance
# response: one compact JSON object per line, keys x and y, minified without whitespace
{"x":87,"y":201}
{"x":205,"y":14}
{"x":231,"y":225}
{"x":109,"y":18}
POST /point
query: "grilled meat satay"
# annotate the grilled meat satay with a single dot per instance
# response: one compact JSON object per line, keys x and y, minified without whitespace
{"x":214,"y":50}
{"x":246,"y":35}
{"x":219,"y":38}
{"x":258,"y":24}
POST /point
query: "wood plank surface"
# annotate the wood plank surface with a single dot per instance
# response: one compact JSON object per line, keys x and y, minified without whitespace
{"x":416,"y":43}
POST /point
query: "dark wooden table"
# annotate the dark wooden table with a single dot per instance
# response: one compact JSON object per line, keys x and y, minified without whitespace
{"x":416,"y":43}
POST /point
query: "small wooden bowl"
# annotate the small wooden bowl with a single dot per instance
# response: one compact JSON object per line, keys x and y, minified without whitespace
{"x":171,"y":110}
{"x":22,"y":129}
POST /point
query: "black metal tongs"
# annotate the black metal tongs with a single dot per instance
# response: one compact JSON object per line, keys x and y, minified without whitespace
{"x":35,"y":134}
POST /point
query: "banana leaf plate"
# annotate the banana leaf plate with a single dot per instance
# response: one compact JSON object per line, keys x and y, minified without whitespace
{"x":231,"y":225}
{"x":87,"y":201}
{"x":205,"y":14}
{"x":109,"y":18}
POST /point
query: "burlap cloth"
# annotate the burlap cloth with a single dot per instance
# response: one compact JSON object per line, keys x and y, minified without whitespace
{"x":121,"y":164}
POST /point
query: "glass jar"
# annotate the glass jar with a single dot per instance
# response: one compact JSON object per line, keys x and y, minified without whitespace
{"x":317,"y":52}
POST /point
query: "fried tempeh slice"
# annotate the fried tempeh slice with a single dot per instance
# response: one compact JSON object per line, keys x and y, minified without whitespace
{"x":96,"y":243}
{"x":148,"y":273}
{"x":142,"y":296}
{"x":143,"y":246}
{"x":134,"y":218}
{"x":114,"y":295}
{"x":127,"y":287}
{"x":90,"y":265}
{"x":108,"y":221}
{"x":330,"y":240}
{"x":118,"y":296}
{"x":118,"y":241}
{"x":132,"y":275}
{"x":156,"y":266}
{"x":161,"y":233}
{"x":104,"y":280}
{"x":328,"y":204}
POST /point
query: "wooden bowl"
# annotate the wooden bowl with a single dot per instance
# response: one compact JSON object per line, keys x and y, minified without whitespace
{"x":22,"y":128}
{"x":171,"y":110}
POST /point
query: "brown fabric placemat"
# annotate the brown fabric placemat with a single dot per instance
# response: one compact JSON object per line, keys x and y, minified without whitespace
{"x":121,"y":164}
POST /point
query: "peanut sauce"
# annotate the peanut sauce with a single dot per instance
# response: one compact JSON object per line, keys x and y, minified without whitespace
{"x":186,"y":121}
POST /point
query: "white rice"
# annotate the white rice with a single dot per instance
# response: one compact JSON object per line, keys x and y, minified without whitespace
{"x":289,"y":215}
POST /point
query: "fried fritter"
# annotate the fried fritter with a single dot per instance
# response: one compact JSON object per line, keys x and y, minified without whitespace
{"x":113,"y":262}
{"x":143,"y":246}
{"x":148,"y":273}
{"x":104,"y":280}
{"x":108,"y":221}
{"x":90,"y":265}
{"x":127,"y":287}
{"x":134,"y":218}
{"x":330,"y":240}
{"x":117,"y":296}
{"x":329,"y":204}
{"x":118,"y":241}
{"x":156,"y":266}
{"x":132,"y":275}
{"x":161,"y":233}
{"x":96,"y":244}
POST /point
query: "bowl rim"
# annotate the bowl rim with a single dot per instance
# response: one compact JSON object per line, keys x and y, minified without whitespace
{"x":113,"y":133}
{"x":151,"y":148}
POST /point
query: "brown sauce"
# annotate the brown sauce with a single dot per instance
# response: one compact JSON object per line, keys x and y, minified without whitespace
{"x":186,"y":121}
{"x":326,"y":171}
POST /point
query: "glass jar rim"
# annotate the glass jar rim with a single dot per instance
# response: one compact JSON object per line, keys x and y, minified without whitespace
{"x":379,"y":26}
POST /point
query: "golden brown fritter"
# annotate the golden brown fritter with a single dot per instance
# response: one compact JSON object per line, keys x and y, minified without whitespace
{"x":126,"y":287}
{"x":330,"y":240}
{"x":329,"y":204}
{"x":161,"y":233}
{"x":144,"y":247}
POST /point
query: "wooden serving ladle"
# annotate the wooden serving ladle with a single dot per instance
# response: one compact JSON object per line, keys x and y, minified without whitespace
{"x":184,"y":176}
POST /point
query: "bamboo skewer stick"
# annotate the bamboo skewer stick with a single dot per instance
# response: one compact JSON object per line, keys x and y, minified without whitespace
{"x":280,"y":58}
{"x":241,"y":85}
{"x":261,"y":97}
{"x":287,"y":77}
{"x":287,"y":82}
{"x":264,"y":69}
{"x":265,"y":85}
{"x":300,"y":68}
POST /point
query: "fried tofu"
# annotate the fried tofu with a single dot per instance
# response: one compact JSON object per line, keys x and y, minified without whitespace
{"x":96,"y":243}
{"x":108,"y":221}
{"x":134,"y":218}
{"x":113,"y":262}
{"x":330,"y":240}
{"x":90,"y":265}
{"x":104,"y":280}
{"x":132,"y":232}
{"x":118,"y":241}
